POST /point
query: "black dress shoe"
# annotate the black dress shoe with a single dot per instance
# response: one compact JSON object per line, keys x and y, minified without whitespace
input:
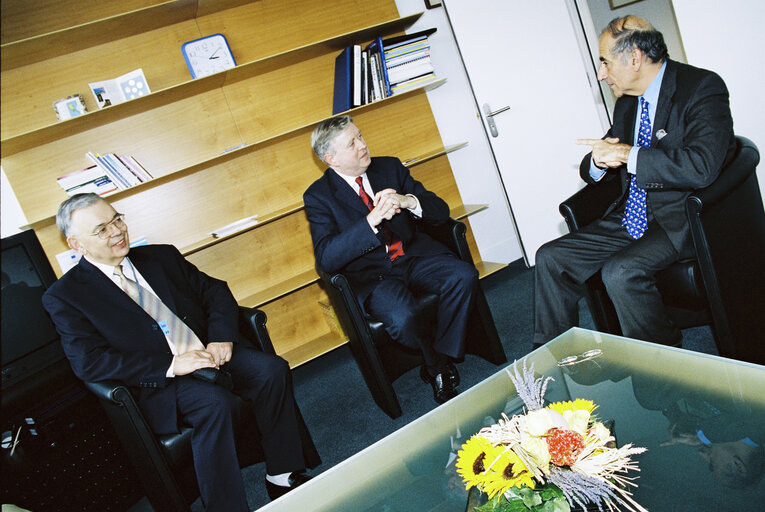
{"x":451,"y":371}
{"x":295,"y":479}
{"x":442,"y":383}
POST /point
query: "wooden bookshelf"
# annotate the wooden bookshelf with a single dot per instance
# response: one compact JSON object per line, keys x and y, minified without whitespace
{"x":55,"y":130}
{"x":222,"y":148}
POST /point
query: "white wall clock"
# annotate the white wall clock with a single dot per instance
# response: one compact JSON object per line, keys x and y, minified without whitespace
{"x":207,"y":55}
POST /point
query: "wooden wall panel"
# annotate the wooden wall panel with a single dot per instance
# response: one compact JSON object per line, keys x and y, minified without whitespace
{"x":27,"y":101}
{"x":163,"y":140}
{"x":260,"y":258}
{"x":262,"y":28}
{"x":295,"y":322}
{"x":21,"y":18}
{"x":279,"y":100}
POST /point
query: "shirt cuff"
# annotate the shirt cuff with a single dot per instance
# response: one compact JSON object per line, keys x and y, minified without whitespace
{"x":169,"y":374}
{"x":632,"y":160}
{"x":417,"y":210}
{"x":596,"y":173}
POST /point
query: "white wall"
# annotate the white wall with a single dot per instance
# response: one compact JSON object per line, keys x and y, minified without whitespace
{"x":729,"y":38}
{"x":458,"y":120}
{"x":11,"y":216}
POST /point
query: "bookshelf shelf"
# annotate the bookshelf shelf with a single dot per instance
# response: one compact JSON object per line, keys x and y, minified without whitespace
{"x":433,"y":154}
{"x":187,"y":89}
{"x":317,"y":347}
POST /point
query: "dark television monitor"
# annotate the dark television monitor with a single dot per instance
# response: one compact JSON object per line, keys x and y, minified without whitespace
{"x":30,"y":343}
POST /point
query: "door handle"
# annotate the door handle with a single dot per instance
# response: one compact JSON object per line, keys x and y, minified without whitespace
{"x":490,"y":117}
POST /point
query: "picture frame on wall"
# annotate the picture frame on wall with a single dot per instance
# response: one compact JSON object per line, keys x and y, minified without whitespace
{"x":615,"y":4}
{"x":432,"y":4}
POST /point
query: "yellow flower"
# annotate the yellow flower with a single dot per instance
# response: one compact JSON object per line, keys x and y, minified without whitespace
{"x":508,"y":471}
{"x":577,"y":405}
{"x":473,"y":459}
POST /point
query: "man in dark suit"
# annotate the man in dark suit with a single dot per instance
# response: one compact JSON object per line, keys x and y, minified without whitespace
{"x":672,"y":133}
{"x":363,"y":213}
{"x":112,"y":324}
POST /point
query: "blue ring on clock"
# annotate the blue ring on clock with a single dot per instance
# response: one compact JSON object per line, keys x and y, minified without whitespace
{"x":208,"y":55}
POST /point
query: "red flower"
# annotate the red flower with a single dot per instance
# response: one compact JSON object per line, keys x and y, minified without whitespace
{"x":564,"y":446}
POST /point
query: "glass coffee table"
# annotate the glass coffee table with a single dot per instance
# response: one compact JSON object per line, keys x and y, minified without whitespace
{"x":701,"y":417}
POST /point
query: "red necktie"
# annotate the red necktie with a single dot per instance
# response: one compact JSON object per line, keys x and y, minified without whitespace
{"x":395,"y":248}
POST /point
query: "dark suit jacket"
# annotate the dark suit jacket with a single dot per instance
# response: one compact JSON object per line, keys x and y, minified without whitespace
{"x":694,"y":112}
{"x":344,"y":241}
{"x":106,"y":335}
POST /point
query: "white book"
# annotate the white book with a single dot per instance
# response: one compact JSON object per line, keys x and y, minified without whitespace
{"x":103,"y":166}
{"x":357,"y":75}
{"x":375,"y":78}
{"x":235,"y":227}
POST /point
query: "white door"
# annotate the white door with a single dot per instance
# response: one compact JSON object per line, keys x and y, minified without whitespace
{"x":526,"y":55}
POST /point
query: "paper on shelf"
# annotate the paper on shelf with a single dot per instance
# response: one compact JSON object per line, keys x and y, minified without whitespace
{"x":239,"y":225}
{"x":68,"y":259}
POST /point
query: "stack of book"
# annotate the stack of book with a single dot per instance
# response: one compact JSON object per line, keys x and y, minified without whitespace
{"x":109,"y":173}
{"x":382,"y":69}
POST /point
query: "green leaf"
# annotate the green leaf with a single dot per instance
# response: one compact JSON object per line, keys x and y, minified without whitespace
{"x":530,"y":497}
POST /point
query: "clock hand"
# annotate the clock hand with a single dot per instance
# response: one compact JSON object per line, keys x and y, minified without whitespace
{"x":213,"y":54}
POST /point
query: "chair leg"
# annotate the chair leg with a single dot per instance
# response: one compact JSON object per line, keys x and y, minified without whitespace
{"x":483,"y":339}
{"x":377,"y":381}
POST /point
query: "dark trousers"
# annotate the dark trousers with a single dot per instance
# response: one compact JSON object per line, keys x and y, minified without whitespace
{"x":392,"y":302}
{"x":628,"y":268}
{"x":263,"y":380}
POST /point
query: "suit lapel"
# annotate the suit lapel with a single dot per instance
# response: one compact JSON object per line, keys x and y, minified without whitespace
{"x":345,"y":194}
{"x":666,"y":94}
{"x":92,"y":277}
{"x":378,"y":180}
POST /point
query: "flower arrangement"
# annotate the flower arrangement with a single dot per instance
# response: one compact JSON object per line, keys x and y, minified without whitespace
{"x":549,"y":459}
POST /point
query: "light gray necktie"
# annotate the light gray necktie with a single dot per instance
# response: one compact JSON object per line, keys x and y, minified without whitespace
{"x":180,"y":334}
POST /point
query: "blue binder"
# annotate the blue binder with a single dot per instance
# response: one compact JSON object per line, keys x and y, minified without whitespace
{"x":343,"y":95}
{"x":376,"y":46}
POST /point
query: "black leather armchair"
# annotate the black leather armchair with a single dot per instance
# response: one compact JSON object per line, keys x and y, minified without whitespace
{"x":382,"y":361}
{"x":164,"y":462}
{"x":722,"y":285}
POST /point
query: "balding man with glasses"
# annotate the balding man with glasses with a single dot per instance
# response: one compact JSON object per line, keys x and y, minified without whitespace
{"x":150,"y":320}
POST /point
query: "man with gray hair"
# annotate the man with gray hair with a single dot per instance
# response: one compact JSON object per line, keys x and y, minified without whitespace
{"x":149,"y":318}
{"x":363,"y":213}
{"x":672,"y":133}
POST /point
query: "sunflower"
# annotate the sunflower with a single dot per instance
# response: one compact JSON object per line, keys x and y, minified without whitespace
{"x":508,"y":471}
{"x":577,"y":405}
{"x":474,"y":457}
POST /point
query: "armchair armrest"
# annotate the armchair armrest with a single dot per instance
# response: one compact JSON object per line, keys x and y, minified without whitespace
{"x":589,"y":203}
{"x":252,"y":326}
{"x":451,"y":233}
{"x":141,"y":444}
{"x":741,"y":168}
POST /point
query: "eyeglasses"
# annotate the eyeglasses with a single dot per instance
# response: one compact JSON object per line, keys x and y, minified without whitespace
{"x":104,"y":232}
{"x":572,"y":360}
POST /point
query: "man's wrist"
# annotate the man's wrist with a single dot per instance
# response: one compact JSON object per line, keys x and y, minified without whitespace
{"x":371,"y":223}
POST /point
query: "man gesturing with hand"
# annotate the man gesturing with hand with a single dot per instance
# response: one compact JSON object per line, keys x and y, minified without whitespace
{"x":672,"y":133}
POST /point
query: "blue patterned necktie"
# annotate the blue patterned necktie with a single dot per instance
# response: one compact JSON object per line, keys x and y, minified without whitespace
{"x":635,"y":219}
